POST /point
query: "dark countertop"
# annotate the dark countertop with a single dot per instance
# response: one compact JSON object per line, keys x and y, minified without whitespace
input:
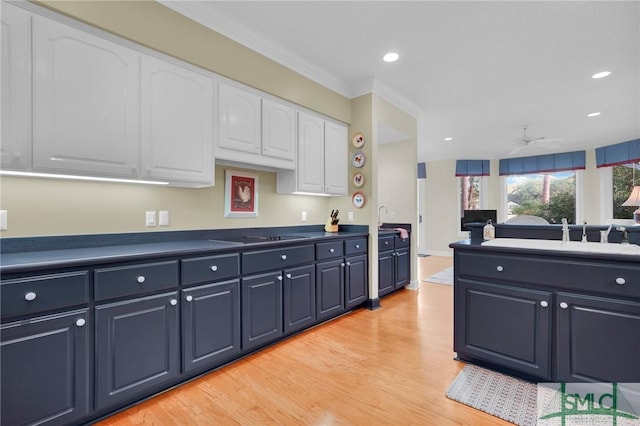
{"x":38,"y":253}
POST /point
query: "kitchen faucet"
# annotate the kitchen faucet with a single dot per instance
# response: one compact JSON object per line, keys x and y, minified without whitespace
{"x":565,"y":231}
{"x":584,"y":231}
{"x":379,"y":211}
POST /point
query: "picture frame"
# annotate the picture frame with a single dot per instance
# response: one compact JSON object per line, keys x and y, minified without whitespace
{"x":240,"y":194}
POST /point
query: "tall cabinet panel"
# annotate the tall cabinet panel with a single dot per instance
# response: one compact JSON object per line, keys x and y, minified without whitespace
{"x":335,"y":154}
{"x":278,"y":130}
{"x":15,"y":151}
{"x":310,"y":153}
{"x":85,"y":102}
{"x":177,"y":122}
{"x":45,"y":370}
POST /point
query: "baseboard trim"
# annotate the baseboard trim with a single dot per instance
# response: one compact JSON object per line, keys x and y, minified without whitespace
{"x":440,"y":253}
{"x":413,"y":285}
{"x":372,"y":304}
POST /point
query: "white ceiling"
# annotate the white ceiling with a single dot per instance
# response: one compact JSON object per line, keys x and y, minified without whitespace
{"x":476,"y":71}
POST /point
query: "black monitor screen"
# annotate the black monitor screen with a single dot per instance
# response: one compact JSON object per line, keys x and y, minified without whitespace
{"x":478,"y":216}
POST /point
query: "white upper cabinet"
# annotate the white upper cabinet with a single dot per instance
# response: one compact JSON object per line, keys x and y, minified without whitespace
{"x":254,"y":130}
{"x":85,"y":102}
{"x":335,"y":159}
{"x":278,"y":130}
{"x":176,"y":123}
{"x":15,"y":151}
{"x":238,"y":121}
{"x":322,"y":159}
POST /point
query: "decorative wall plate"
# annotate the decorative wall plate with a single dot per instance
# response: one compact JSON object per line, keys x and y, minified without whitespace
{"x":358,"y":159}
{"x":358,"y":180}
{"x":358,"y":200}
{"x":358,"y":140}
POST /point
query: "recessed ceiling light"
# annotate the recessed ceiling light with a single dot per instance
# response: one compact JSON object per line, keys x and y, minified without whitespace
{"x":601,"y":74}
{"x":448,"y":139}
{"x":593,"y":114}
{"x":390,"y":57}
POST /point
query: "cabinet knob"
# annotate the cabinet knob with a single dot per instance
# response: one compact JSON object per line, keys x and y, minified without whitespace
{"x":283,"y":257}
{"x":173,"y":302}
{"x":348,"y":263}
{"x":499,"y":268}
{"x":279,"y":277}
{"x":214,"y":268}
{"x":564,"y":305}
{"x":141,"y":279}
{"x":342,"y":264}
{"x":80,"y":322}
{"x":544,"y":303}
{"x":331,"y":250}
{"x":30,"y":296}
{"x":620,"y":280}
{"x":189,"y":298}
{"x":357,"y":245}
{"x":386,"y":243}
{"x":289,"y":276}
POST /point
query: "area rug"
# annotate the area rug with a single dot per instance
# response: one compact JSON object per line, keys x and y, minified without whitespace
{"x":503,"y":396}
{"x":443,"y":277}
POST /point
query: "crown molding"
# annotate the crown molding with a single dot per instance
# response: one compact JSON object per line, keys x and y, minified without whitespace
{"x":377,"y":87}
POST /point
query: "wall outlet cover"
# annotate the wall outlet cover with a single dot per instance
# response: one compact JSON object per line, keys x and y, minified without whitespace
{"x":3,"y":220}
{"x":150,"y":218}
{"x":163,"y":218}
{"x":303,"y":216}
{"x":350,"y":216}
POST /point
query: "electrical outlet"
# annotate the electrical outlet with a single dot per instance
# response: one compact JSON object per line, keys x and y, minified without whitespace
{"x":3,"y":220}
{"x":150,"y":218}
{"x":303,"y":216}
{"x":350,"y":216}
{"x":163,"y":218}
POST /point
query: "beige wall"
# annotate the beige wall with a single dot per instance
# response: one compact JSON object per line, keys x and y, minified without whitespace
{"x":441,"y":192}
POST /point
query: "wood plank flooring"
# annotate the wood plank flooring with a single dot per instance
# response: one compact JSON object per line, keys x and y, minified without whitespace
{"x":391,"y":366}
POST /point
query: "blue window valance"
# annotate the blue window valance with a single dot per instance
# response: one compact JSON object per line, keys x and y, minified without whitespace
{"x":543,"y":163}
{"x":422,"y":170}
{"x":620,"y":153}
{"x":472,"y":168}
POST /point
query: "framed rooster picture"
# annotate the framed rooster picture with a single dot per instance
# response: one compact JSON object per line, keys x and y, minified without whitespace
{"x":240,"y":194}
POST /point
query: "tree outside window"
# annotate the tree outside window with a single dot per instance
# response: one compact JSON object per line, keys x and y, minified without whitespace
{"x":551,"y":196}
{"x":624,"y":178}
{"x":469,"y":193}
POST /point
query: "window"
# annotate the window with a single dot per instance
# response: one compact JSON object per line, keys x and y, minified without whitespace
{"x":551,"y":196}
{"x":624,"y":178}
{"x":470,"y":195}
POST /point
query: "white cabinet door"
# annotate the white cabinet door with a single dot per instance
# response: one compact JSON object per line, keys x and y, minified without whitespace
{"x":15,"y":151}
{"x":278,"y":130}
{"x":176,"y":123}
{"x":238,"y":121}
{"x":85,"y":102}
{"x":335,"y":159}
{"x":310,"y":168}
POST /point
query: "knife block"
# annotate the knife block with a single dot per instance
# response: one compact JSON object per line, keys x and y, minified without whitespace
{"x":330,"y":228}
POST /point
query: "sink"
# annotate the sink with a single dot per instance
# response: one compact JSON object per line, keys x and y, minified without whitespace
{"x":556,"y":245}
{"x":249,"y":239}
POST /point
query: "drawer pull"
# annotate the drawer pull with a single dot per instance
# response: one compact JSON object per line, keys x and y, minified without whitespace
{"x":342,"y":264}
{"x":357,"y":245}
{"x":289,"y":276}
{"x":283,"y":257}
{"x":214,"y":268}
{"x":80,"y":322}
{"x":348,"y":263}
{"x":499,"y":268}
{"x":189,"y":298}
{"x":544,"y":303}
{"x":141,"y":279}
{"x":386,"y":243}
{"x":30,"y":296}
{"x":564,"y":305}
{"x":620,"y":280}
{"x":331,"y":250}
{"x":279,"y":277}
{"x":173,"y":302}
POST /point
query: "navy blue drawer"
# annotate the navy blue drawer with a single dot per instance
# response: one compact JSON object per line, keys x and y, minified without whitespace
{"x":134,"y":279}
{"x":268,"y":260}
{"x":355,"y":246}
{"x":25,"y":296}
{"x":329,"y":250}
{"x":385,"y":243}
{"x":210,"y":268}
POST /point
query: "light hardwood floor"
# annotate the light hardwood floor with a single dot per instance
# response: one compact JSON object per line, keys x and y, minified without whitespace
{"x":391,"y":366}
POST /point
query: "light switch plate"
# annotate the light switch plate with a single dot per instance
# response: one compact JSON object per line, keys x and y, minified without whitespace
{"x":150,"y":218}
{"x":303,"y":216}
{"x":163,"y":218}
{"x":3,"y":220}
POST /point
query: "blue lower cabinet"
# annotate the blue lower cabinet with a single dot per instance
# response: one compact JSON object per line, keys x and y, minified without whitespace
{"x":299,"y":298}
{"x":330,"y":289}
{"x":356,"y":283}
{"x":210,"y":325}
{"x":46,"y":370}
{"x":261,"y":309}
{"x":137,"y":348}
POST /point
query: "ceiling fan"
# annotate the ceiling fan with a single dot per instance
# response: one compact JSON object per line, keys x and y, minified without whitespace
{"x":527,"y":141}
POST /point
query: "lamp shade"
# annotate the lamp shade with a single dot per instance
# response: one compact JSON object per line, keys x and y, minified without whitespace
{"x":634,"y":198}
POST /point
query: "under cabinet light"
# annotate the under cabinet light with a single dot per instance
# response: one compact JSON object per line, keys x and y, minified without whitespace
{"x":77,"y":177}
{"x":601,"y":74}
